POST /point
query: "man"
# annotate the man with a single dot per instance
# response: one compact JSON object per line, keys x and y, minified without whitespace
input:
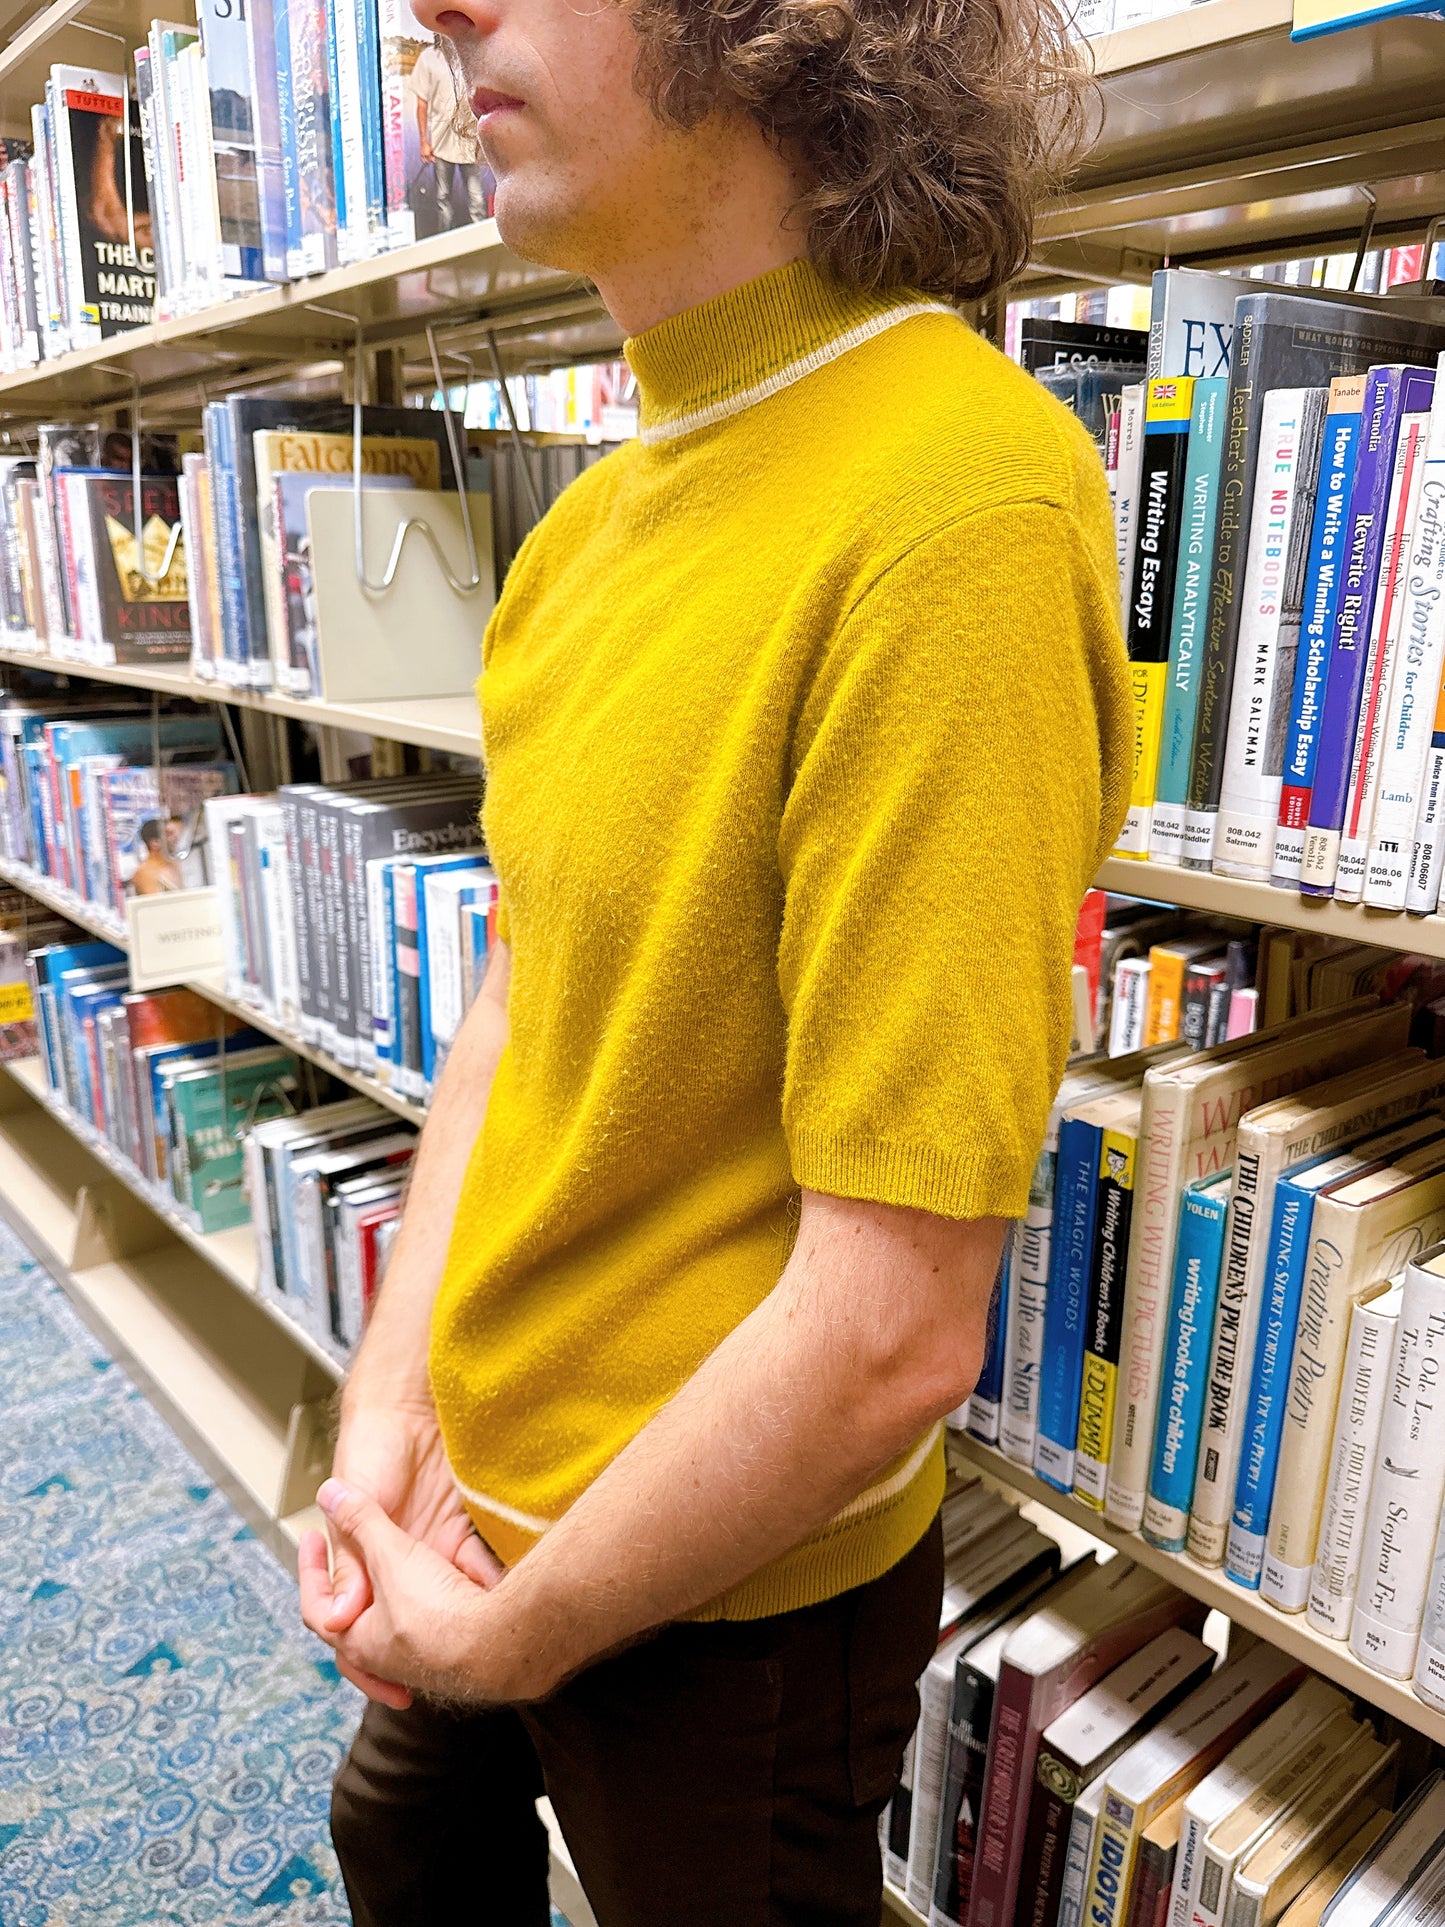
{"x":806,"y":722}
{"x":158,"y":870}
{"x":445,"y":145}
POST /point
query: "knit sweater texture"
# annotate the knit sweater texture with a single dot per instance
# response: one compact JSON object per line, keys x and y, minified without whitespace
{"x":806,"y":722}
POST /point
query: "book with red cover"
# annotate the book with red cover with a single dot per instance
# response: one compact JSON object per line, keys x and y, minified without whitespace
{"x":1052,"y":1660}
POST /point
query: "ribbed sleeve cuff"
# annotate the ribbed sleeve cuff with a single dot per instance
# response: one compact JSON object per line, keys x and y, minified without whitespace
{"x":977,"y":1183}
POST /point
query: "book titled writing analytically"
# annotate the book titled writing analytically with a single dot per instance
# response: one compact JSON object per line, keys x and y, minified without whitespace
{"x":1052,"y":1660}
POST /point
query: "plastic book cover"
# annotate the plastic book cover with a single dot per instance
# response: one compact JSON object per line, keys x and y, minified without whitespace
{"x":144,"y":604}
{"x":154,"y":831}
{"x":116,"y":282}
{"x":309,"y":156}
{"x":297,"y":587}
{"x":233,"y":137}
{"x":208,"y":1112}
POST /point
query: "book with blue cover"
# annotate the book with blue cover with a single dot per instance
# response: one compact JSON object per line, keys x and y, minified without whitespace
{"x":1199,"y":1257}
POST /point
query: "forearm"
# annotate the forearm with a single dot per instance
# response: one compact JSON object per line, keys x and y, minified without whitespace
{"x":788,"y":1420}
{"x":392,"y":1358}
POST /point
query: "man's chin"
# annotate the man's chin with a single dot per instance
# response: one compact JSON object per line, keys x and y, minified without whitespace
{"x":535,"y":230}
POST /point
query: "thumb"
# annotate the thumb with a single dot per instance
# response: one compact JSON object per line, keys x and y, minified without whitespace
{"x":358,"y":1515}
{"x":476,"y":1560}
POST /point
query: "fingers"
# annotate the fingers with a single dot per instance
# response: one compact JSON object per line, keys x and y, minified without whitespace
{"x":313,"y":1573}
{"x":358,"y":1516}
{"x":350,"y":1585}
{"x":476,"y":1561}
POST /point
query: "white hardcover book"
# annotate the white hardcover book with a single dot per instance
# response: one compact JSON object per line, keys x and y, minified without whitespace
{"x":1286,"y":474}
{"x":1130,"y":1005}
{"x":1407,"y":744}
{"x":220,"y":812}
{"x":1362,"y":1231}
{"x":1429,"y":1679}
{"x":1233,"y":1783}
{"x":1191,"y":322}
{"x":351,"y":238}
{"x":1405,"y":483}
{"x":1335,"y":1578}
{"x":1271,"y":1138}
{"x":280,"y":904}
{"x":1187,"y":1130}
{"x":1294,"y":1850}
{"x":1414,"y":1832}
{"x":166,"y":208}
{"x":1422,"y":888}
{"x":1126,"y":486}
{"x":1409,"y":1482}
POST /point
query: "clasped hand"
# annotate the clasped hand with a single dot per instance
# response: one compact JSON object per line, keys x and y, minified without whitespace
{"x":406,"y":1597}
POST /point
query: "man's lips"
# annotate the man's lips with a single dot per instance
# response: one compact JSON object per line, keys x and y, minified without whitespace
{"x":485,"y":103}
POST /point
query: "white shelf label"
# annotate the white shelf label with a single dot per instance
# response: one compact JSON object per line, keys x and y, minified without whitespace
{"x":173,"y":936}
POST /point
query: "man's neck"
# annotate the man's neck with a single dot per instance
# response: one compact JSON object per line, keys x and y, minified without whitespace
{"x":726,"y":224}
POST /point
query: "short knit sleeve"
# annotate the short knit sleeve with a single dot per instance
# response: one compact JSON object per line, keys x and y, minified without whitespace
{"x":962,"y":765}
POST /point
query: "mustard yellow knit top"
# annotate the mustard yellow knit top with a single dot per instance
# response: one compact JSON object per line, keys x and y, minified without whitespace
{"x":806,"y":724}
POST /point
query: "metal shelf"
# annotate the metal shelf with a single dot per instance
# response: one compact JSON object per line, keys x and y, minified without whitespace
{"x":1291,"y":1632}
{"x":100,"y":924}
{"x":1259,"y":903}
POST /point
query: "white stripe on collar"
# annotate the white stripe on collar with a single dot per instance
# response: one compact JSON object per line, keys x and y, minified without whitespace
{"x":718,"y":411}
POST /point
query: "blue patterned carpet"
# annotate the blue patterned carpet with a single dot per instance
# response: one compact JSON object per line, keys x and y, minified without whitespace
{"x":168,"y":1730}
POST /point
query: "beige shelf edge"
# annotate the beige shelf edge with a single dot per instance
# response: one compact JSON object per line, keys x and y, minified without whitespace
{"x":1258,"y":903}
{"x":431,"y":722}
{"x":1289,"y":1631}
{"x":66,"y":904}
{"x":1189,"y":31}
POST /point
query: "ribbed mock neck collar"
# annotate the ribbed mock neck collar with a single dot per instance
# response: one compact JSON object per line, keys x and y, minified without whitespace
{"x":712,"y":361}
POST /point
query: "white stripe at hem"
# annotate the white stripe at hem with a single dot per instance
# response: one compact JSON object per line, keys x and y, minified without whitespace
{"x":875,"y":1495}
{"x":718,"y":411}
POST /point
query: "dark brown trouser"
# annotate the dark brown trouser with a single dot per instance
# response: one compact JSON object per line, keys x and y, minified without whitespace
{"x":726,"y":1775}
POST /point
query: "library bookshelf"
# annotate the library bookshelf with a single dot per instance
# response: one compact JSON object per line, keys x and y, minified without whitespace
{"x":1220,"y":143}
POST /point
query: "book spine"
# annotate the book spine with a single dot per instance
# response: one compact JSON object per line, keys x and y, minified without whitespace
{"x":1128,"y":469}
{"x":311,"y":116}
{"x":1422,"y":890}
{"x":286,"y":135}
{"x":1377,"y":689}
{"x":1111,"y":1873}
{"x":1129,"y":1013}
{"x":1010,"y":1764}
{"x":408,"y":983}
{"x":1151,"y":597}
{"x":968,"y":1730}
{"x":1321,"y":601}
{"x":1046,"y":1841}
{"x":899,"y":1817}
{"x":372,"y":131}
{"x":345,"y":139}
{"x":1365,"y":525}
{"x":1309,"y":1415}
{"x":1216,"y":676}
{"x":1018,"y":1426}
{"x":267,"y":77}
{"x":1066,"y":1305}
{"x":1272,"y":601}
{"x":1181,"y":1409}
{"x":395,"y":22}
{"x":1429,"y":1676}
{"x":1234,"y":1336}
{"x":1159,"y":1186}
{"x":1283,"y":1286}
{"x":1082,"y":1830}
{"x":1166,"y":995}
{"x":1334,"y":1580}
{"x":379,"y":939}
{"x":930,"y":1764}
{"x":1405,"y":1494}
{"x":1103,"y":1326}
{"x":987,"y":1397}
{"x":1406,"y":741}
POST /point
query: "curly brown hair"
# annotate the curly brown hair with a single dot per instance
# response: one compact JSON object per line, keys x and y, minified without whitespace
{"x":928,"y":130}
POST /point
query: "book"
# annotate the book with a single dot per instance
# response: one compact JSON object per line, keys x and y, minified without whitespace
{"x":1270,"y":1138}
{"x":1191,"y":323}
{"x":1188,"y":1123}
{"x":1128,"y":469}
{"x":1412,"y":1084}
{"x":1314,"y":1829}
{"x":1169,"y":965}
{"x":1408,"y":1483}
{"x":1363,"y":1230}
{"x":982,"y":1410}
{"x":1338,"y":455}
{"x":1391,"y":392}
{"x":1368,"y":1355}
{"x":1163,"y":467}
{"x":1118,"y":1121}
{"x":1407,"y":1839}
{"x":1084,"y":1741}
{"x":1405,"y":743}
{"x":1267,"y":641}
{"x":1233,"y":1783}
{"x":109,"y":283}
{"x":1170,"y":1761}
{"x":1280,"y":340}
{"x":1053,"y":1658}
{"x":1197,"y":1264}
{"x":1378,"y":682}
{"x":1309,"y":1904}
